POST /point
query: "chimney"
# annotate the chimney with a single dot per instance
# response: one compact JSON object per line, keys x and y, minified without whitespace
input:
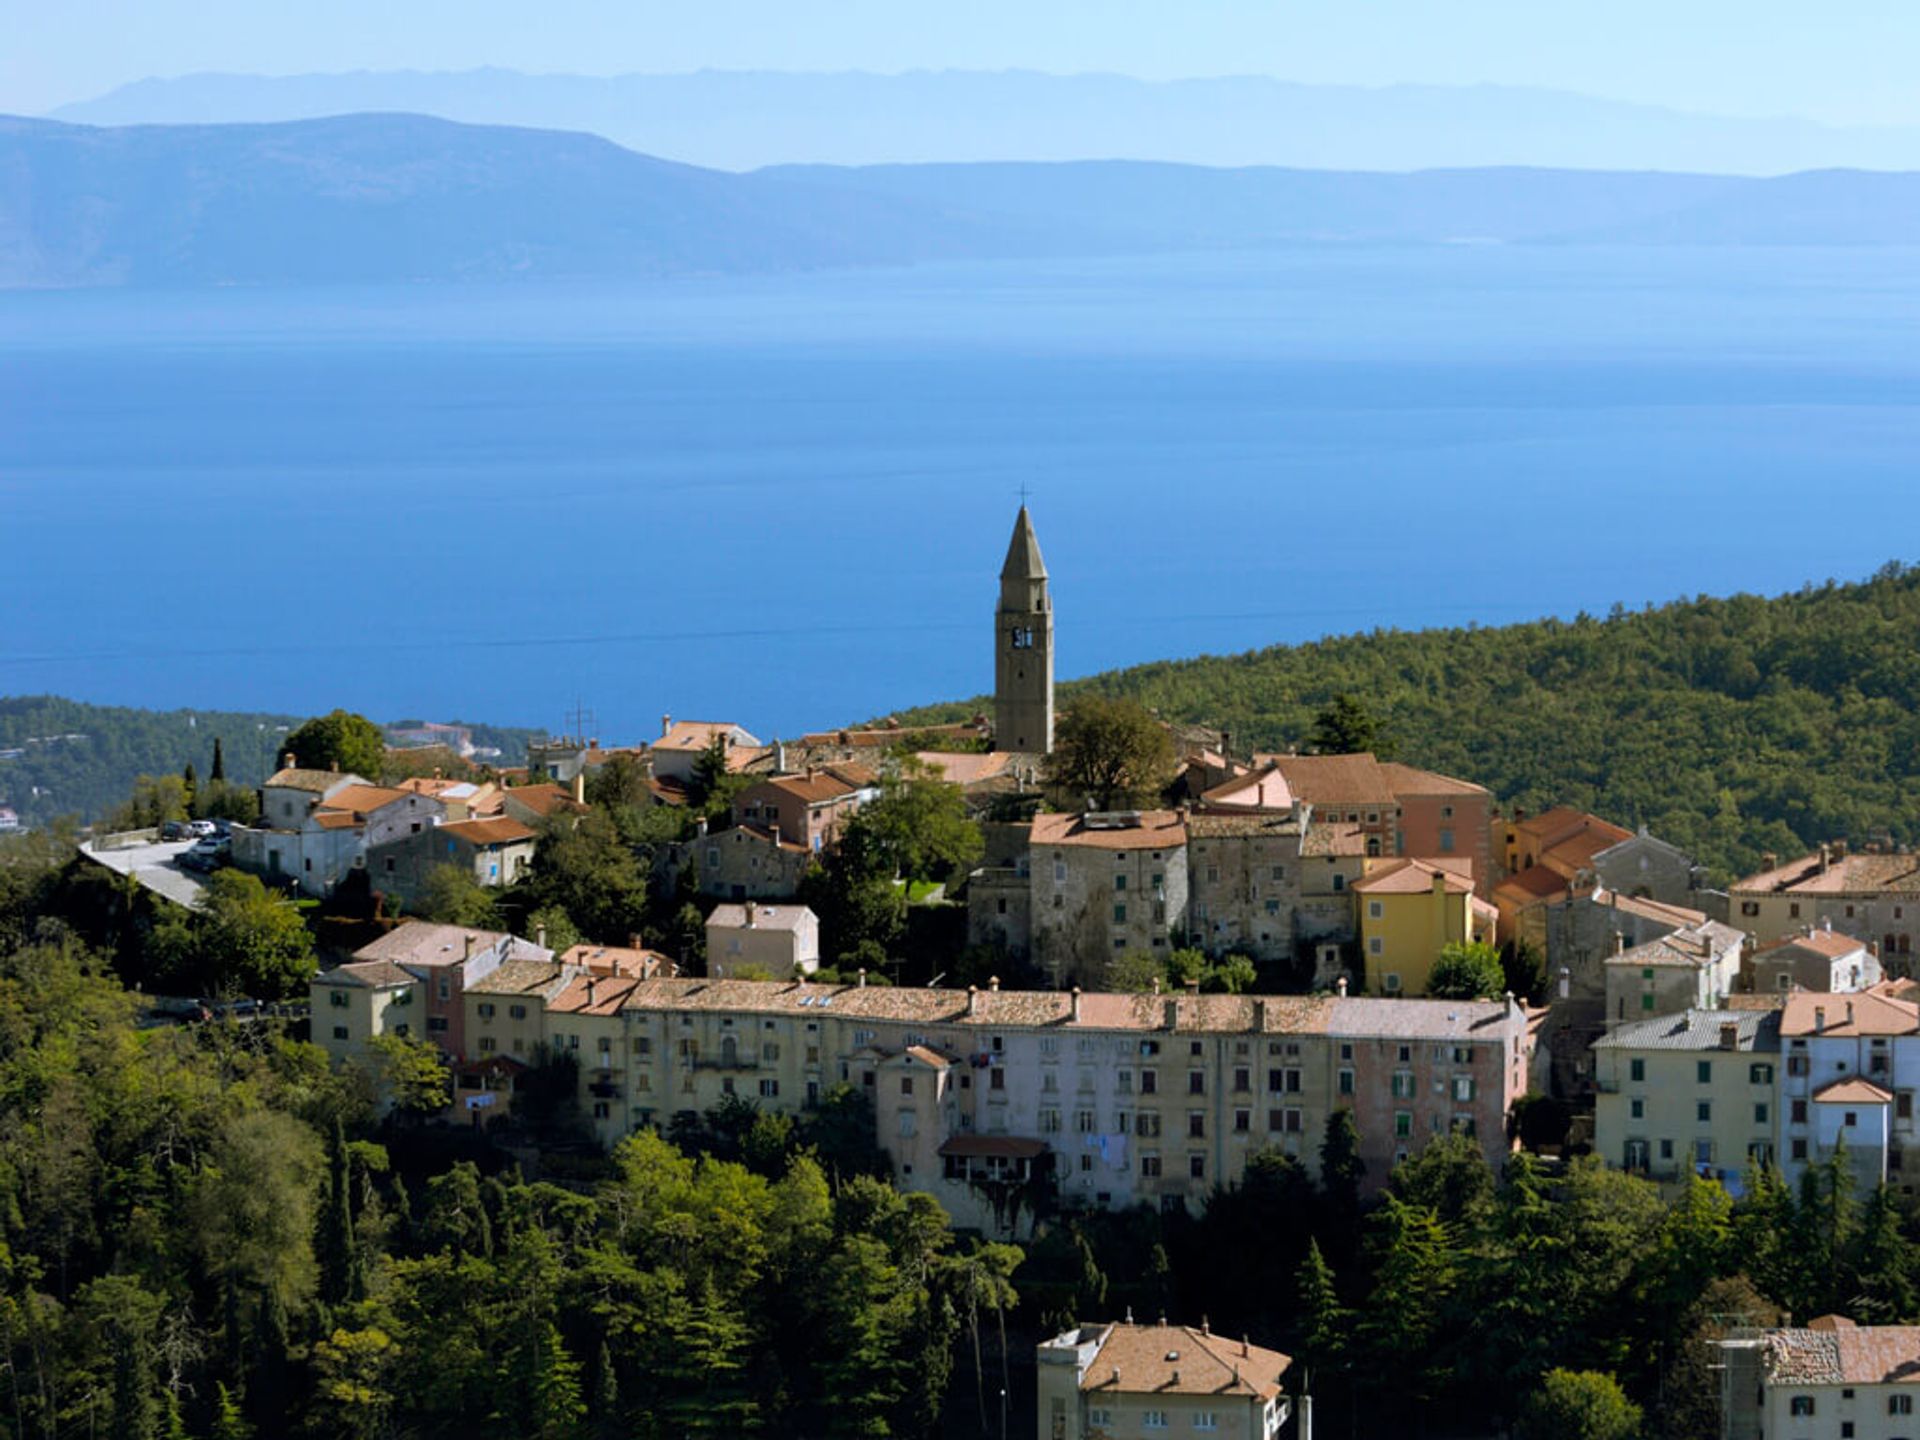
{"x":700,"y":828}
{"x":591,"y":982}
{"x":1769,"y":861}
{"x":1226,"y":749}
{"x":750,"y":908}
{"x":1073,"y":1010}
{"x":1172,"y":1014}
{"x":779,"y":756}
{"x":580,"y":787}
{"x":1259,"y":1016}
{"x":1819,"y":1018}
{"x":861,"y":983}
{"x":1826,"y":858}
{"x":973,"y":998}
{"x":774,"y":830}
{"x":1156,"y":984}
{"x":1566,"y":982}
{"x":1729,"y":1035}
{"x":1206,"y":1327}
{"x":540,"y":935}
{"x":993,"y":983}
{"x":1619,"y":942}
{"x":1849,"y":1012}
{"x":1193,"y":985}
{"x":286,"y":760}
{"x":1340,"y":986}
{"x":467,"y":952}
{"x":1826,"y":924}
{"x":666,"y":724}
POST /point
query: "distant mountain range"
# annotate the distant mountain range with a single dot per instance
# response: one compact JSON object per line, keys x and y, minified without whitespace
{"x":409,"y":197}
{"x":742,"y":120}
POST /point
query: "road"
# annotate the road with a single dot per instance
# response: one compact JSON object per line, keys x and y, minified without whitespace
{"x":155,"y":866}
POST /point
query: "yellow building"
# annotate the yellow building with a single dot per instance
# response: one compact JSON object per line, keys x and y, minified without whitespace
{"x":1116,"y":1382}
{"x":1410,"y":910}
{"x":354,"y":1003}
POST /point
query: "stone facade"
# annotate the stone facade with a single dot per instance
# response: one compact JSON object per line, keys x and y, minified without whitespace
{"x":1023,"y":648}
{"x":1103,"y":885}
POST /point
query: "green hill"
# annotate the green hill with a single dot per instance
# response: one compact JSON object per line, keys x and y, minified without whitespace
{"x":1729,"y":726}
{"x":62,"y":757}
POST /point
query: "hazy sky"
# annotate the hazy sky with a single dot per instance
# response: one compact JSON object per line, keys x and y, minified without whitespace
{"x":1850,"y":61}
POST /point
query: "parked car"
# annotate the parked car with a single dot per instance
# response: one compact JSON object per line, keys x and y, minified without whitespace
{"x":206,"y":853}
{"x":202,"y":827}
{"x":176,"y":830}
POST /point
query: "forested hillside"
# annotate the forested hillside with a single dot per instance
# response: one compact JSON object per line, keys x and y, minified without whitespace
{"x":61,"y":757}
{"x":1730,"y":726}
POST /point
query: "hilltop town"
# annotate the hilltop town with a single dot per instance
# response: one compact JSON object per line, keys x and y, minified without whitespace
{"x":1052,"y":969}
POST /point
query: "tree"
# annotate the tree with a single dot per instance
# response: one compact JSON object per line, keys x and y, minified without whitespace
{"x":1414,"y":1274}
{"x":340,"y":740}
{"x":342,"y":1277}
{"x":557,"y":928}
{"x":1347,"y":727}
{"x":453,"y":896}
{"x":582,"y":866}
{"x":411,"y":1074}
{"x":353,"y":1370}
{"x":1324,"y":1321}
{"x":1579,"y":1405}
{"x":918,"y":827}
{"x":1134,"y":972}
{"x":124,"y":1315}
{"x":714,"y":784}
{"x":1341,"y":1169}
{"x":252,"y":1207}
{"x":243,"y":940}
{"x":1109,"y":754}
{"x":218,"y":773}
{"x":1469,"y":971}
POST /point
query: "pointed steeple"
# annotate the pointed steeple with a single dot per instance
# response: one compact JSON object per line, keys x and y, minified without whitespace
{"x":1023,"y":552}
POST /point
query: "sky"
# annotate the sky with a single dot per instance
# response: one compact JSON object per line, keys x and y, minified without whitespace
{"x":1849,"y":62}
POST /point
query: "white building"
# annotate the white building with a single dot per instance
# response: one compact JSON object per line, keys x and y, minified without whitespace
{"x":1851,"y":1064}
{"x":1830,"y":1380}
{"x":778,"y":940}
{"x":1116,"y":1382}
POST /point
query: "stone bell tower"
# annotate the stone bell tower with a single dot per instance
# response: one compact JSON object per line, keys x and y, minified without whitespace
{"x":1023,"y":648}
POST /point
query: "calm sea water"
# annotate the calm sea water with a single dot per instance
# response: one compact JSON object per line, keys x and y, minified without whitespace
{"x":785,"y":500}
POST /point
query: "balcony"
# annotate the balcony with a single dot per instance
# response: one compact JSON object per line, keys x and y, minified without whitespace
{"x":725,"y":1062}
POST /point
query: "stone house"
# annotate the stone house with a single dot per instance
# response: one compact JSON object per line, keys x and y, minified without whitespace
{"x":1103,"y":884}
{"x":810,"y":808}
{"x":1689,"y":1093}
{"x":1346,"y":790}
{"x":315,"y":828}
{"x":1442,"y":818}
{"x":1096,"y":1382}
{"x":779,"y":941}
{"x":1821,"y":959}
{"x":677,"y":752}
{"x":1262,"y":884}
{"x":1692,"y":968}
{"x":1830,"y":1380}
{"x":1868,"y":895}
{"x":494,"y":852}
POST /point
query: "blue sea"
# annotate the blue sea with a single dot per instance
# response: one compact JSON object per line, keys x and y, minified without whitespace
{"x":785,"y":500}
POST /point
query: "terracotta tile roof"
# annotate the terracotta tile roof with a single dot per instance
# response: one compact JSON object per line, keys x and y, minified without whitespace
{"x":428,"y":943}
{"x":765,"y":917}
{"x":1415,"y":877}
{"x":1154,"y":830}
{"x":1835,"y":1351}
{"x":881,"y":737}
{"x":667,"y":790}
{"x":364,"y":799}
{"x":1180,"y":1360}
{"x":317,"y":781}
{"x":820,"y":787}
{"x":617,"y":960}
{"x":1649,"y":909}
{"x":1866,"y":1013}
{"x":1348,"y":840}
{"x":699,"y":734}
{"x":1263,"y":790}
{"x":1536,"y":882}
{"x":966,"y":767}
{"x":518,"y":977}
{"x":927,"y":1055}
{"x":593,"y":995}
{"x":1846,"y":875}
{"x":368,"y":974}
{"x":1203,"y":825}
{"x":1831,"y":943}
{"x":1334,"y":779}
{"x":338,"y":820}
{"x":1852,"y":1091}
{"x":1356,"y":1017}
{"x":1406,"y":780}
{"x":756,"y":832}
{"x":542,"y":800}
{"x":439,"y":787}
{"x":497,"y":831}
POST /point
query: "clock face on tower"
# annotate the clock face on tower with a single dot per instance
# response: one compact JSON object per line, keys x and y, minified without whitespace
{"x":1021,"y":636}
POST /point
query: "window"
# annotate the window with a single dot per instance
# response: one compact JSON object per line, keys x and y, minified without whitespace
{"x":1703,"y":1111}
{"x":1636,"y":1071}
{"x":1446,"y":839}
{"x":437,"y":1022}
{"x":1760,"y":1112}
{"x":1637,"y":1109}
{"x":1196,"y":1082}
{"x":1800,"y":1405}
{"x":1900,"y":1404}
{"x":1346,"y":1082}
{"x":338,"y":997}
{"x":1390,"y":982}
{"x":486,"y":1044}
{"x":1760,"y":1074}
{"x":1083,"y":1122}
{"x":1205,"y":1420}
{"x":1402,"y":1124}
{"x":1196,"y":1124}
{"x":1149,"y":1082}
{"x":1462,"y":1089}
{"x":1242,"y":1080}
{"x":519,"y":1012}
{"x":339,"y":1032}
{"x":1149,"y":1165}
{"x":996,"y":1080}
{"x":1197,"y":1167}
{"x":1049,"y":1121}
{"x":1749,"y":907}
{"x":1376,"y":909}
{"x":1703,"y":1071}
{"x":1376,"y":945}
{"x":1403,"y":1084}
{"x":1242,"y":1121}
{"x":1797,"y":1065}
{"x":1147,"y":1124}
{"x":1120,"y":882}
{"x":486,"y":1010}
{"x":1119,"y":914}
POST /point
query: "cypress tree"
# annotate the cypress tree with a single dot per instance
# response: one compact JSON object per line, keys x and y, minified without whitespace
{"x":606,"y":1394}
{"x":133,"y":1407}
{"x":191,"y":779}
{"x":334,"y":1245}
{"x":228,"y":1422}
{"x":218,"y":773}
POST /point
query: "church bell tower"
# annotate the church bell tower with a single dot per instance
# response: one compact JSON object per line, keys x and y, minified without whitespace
{"x":1023,"y":648}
